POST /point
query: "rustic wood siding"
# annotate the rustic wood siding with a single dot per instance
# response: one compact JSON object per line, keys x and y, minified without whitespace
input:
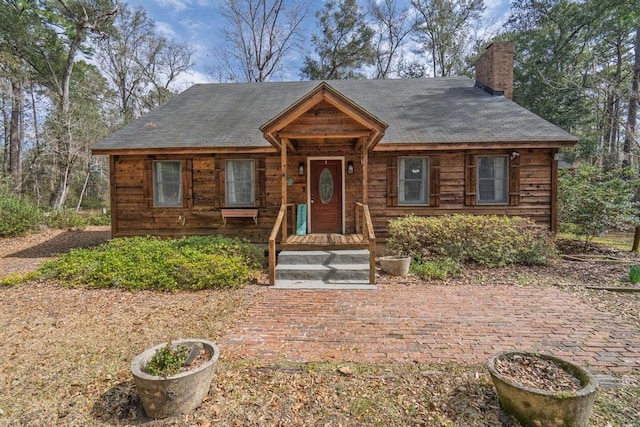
{"x":203,"y":190}
{"x":530,"y":191}
{"x":132,"y":189}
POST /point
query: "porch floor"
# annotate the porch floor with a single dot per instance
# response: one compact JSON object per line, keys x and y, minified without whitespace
{"x":326,"y":241}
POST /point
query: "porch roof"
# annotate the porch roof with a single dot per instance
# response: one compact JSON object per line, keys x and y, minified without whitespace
{"x":418,"y":111}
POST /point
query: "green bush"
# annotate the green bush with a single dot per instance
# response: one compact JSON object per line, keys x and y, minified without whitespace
{"x":17,"y":214}
{"x":592,"y":202}
{"x":488,"y":240}
{"x":139,"y":263}
{"x":436,"y":269}
{"x":68,"y":218}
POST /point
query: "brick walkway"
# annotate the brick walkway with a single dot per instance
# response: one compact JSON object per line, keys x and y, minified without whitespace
{"x":432,"y":324}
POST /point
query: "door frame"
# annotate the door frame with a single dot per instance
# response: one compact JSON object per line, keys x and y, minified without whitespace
{"x":309,"y":159}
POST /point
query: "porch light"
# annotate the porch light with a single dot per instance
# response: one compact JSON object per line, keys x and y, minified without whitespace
{"x":349,"y":168}
{"x":301,"y":168}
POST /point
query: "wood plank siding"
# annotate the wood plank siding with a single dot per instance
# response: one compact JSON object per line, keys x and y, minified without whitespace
{"x":203,"y":187}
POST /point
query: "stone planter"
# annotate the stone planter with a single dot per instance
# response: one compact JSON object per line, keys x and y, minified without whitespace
{"x":177,"y":394}
{"x":395,"y":265}
{"x":538,"y":407}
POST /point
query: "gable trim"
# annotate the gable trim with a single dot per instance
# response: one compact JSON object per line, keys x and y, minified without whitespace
{"x":273,"y":130}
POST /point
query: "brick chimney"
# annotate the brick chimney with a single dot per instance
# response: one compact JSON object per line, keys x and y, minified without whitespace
{"x":494,"y":70}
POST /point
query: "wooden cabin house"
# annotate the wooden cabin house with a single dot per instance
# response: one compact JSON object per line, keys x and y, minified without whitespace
{"x":304,"y":165}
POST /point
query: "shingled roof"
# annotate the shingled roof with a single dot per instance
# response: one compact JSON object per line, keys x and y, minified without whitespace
{"x":429,"y":111}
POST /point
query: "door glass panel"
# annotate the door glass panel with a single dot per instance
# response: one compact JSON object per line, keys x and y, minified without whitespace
{"x":326,"y":186}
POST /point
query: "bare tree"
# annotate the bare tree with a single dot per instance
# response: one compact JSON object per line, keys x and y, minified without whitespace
{"x":392,"y":24}
{"x":117,"y":55}
{"x":259,"y":34}
{"x":140,"y":64}
{"x":444,"y":25}
{"x":162,"y":62}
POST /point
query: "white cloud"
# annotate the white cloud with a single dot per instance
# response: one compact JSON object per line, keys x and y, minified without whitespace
{"x":166,"y":29}
{"x":176,"y":5}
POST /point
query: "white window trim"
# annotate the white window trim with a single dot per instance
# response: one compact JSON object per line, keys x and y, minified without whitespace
{"x":253,"y":184}
{"x":506,"y":182}
{"x":155,"y":183}
{"x":401,"y":179}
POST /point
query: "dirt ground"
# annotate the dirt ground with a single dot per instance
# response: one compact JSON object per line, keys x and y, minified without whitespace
{"x":19,"y":255}
{"x":65,"y":354}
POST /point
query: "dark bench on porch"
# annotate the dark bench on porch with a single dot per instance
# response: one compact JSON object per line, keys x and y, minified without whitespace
{"x":239,"y":213}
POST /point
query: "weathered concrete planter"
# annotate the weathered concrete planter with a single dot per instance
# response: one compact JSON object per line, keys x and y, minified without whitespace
{"x":538,"y":407}
{"x":395,"y":265}
{"x":177,"y":394}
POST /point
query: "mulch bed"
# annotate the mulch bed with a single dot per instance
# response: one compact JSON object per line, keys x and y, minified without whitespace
{"x":536,"y":372}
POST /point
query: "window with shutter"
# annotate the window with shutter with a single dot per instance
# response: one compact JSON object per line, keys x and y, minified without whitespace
{"x":240,"y":183}
{"x":492,"y":180}
{"x":413,"y":180}
{"x":167,"y":183}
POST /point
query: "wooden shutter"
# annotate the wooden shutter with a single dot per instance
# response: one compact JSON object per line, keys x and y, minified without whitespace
{"x":434,"y":181}
{"x":261,"y":182}
{"x":514,"y":181}
{"x":470,"y":179}
{"x":218,"y":200}
{"x":187,"y":183}
{"x":147,"y":183}
{"x":392,"y":181}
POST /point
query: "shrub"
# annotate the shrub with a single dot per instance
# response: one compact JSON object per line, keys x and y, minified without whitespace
{"x":436,"y":269}
{"x":486,"y":240}
{"x":17,"y":214}
{"x":592,"y":202}
{"x":150,"y":263}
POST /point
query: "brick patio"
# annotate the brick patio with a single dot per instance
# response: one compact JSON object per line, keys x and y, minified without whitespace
{"x":432,"y":324}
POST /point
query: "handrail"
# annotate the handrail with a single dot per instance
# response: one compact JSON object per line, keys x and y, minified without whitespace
{"x":282,"y":217}
{"x":369,"y":234}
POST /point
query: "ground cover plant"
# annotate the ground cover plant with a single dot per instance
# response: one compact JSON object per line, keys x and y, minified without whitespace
{"x":489,"y":240}
{"x":139,"y":263}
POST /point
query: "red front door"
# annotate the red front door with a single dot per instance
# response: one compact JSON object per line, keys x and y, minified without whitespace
{"x":326,"y":196}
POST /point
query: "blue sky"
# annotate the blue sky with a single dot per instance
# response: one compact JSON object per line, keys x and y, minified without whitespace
{"x":198,"y":23}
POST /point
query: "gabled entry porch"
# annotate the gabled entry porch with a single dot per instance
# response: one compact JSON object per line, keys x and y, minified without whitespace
{"x":324,"y":141}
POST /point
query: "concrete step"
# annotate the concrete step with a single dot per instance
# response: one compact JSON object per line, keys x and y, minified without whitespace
{"x":324,"y":257}
{"x":325,"y":272}
{"x":319,"y":284}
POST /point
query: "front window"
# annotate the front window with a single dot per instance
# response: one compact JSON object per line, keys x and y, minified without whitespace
{"x":240,"y":183}
{"x":492,"y":179}
{"x":167,"y":183}
{"x":412,"y":180}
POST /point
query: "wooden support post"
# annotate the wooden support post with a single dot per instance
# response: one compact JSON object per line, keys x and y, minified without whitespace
{"x":553,"y":223}
{"x":112,"y":195}
{"x":272,"y":262}
{"x":365,"y":169}
{"x":283,"y":166}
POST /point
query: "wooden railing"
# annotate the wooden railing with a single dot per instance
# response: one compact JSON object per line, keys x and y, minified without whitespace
{"x":364,"y":225}
{"x":280,"y":224}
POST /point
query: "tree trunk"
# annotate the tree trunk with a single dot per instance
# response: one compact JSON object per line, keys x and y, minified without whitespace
{"x":631,"y":122}
{"x":5,"y":133}
{"x":15,"y":133}
{"x":632,"y":115}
